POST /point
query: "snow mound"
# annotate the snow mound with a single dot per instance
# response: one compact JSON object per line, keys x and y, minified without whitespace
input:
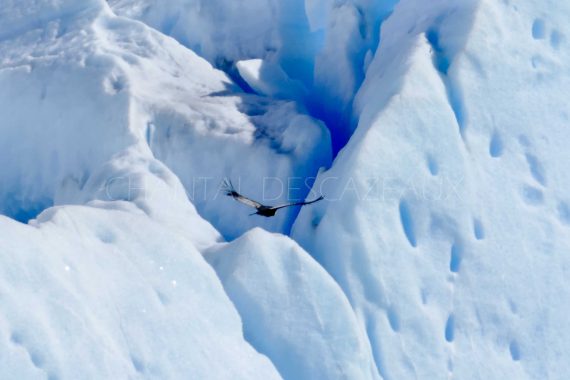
{"x":292,"y":310}
{"x":446,"y":222}
{"x":127,"y":296}
{"x":159,"y":99}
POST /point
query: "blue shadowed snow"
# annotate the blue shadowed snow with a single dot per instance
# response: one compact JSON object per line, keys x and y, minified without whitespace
{"x":408,"y":223}
{"x":463,"y":250}
{"x":24,"y":212}
{"x":303,"y":38}
{"x":292,"y":310}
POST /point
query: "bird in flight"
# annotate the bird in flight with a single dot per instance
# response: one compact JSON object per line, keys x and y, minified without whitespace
{"x":262,"y":210}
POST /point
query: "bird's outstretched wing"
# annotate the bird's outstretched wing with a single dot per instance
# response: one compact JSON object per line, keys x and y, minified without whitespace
{"x":299,"y":203}
{"x":231,"y":192}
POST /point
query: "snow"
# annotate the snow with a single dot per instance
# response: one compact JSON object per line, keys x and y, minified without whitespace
{"x":161,"y":99}
{"x":443,"y":225}
{"x":118,"y":279}
{"x":440,"y":250}
{"x":269,"y":79}
{"x":351,"y":34}
{"x":292,"y":310}
{"x":272,"y":29}
{"x":324,"y":44}
{"x":88,"y":292}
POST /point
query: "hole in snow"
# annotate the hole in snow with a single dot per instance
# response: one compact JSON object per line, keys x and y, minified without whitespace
{"x":163,"y":299}
{"x":532,"y":195}
{"x":496,"y":145}
{"x":456,"y":257}
{"x":450,"y":328}
{"x":536,"y":169}
{"x":538,"y":29}
{"x":513,"y":307}
{"x":478,"y":229}
{"x":564,"y":213}
{"x":524,"y":141}
{"x":37,"y":359}
{"x":17,"y":338}
{"x":424,"y":296}
{"x":394,"y":320}
{"x":137,"y":363}
{"x":316,"y":220}
{"x":515,"y":351}
{"x":407,"y":223}
{"x":106,"y":236}
{"x":432,"y":164}
{"x":555,"y":39}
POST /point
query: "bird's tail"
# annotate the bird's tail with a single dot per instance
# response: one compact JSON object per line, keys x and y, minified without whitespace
{"x":229,"y":188}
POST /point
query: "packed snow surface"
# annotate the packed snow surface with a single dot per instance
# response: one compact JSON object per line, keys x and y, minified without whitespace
{"x":106,"y":292}
{"x":442,"y":247}
{"x":305,"y":326}
{"x":447,"y":223}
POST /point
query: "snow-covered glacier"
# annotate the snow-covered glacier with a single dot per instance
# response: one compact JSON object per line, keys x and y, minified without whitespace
{"x":447,"y":225}
{"x":437,"y":132}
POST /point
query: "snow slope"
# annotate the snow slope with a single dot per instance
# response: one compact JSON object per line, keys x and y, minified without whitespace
{"x":158,"y":95}
{"x":292,"y":310}
{"x":447,"y":223}
{"x":112,"y":288}
{"x":89,"y":100}
{"x":106,"y":292}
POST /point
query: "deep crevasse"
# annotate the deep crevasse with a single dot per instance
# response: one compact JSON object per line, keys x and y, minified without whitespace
{"x":326,"y":45}
{"x":122,"y":268}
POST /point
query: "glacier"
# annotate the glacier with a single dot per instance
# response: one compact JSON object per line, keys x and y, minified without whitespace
{"x":437,"y":132}
{"x":446,"y":230}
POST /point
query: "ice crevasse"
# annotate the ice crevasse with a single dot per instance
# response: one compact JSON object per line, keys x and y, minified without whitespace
{"x":112,"y":268}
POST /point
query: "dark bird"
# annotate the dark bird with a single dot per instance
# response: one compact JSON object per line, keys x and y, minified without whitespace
{"x":262,"y":210}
